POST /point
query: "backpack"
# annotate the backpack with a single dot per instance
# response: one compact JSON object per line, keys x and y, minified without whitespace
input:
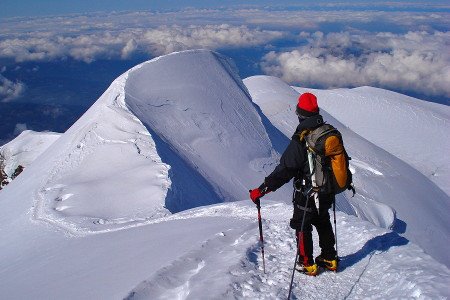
{"x":330,"y":160}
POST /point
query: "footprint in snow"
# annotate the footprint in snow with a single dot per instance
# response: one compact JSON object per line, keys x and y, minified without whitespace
{"x":54,"y":187}
{"x":63,"y":197}
{"x":172,"y":282}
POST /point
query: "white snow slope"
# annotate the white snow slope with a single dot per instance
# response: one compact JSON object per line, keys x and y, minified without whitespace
{"x":25,"y":148}
{"x":149,"y":147}
{"x":97,"y":214}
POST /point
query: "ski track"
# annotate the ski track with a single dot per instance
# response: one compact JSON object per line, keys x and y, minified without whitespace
{"x":229,"y":265}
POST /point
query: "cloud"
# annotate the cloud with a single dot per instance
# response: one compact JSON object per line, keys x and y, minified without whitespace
{"x":315,"y":19}
{"x":10,"y":90}
{"x":416,"y":61}
{"x":175,"y":38}
{"x":130,"y":47}
{"x":20,"y":127}
{"x":413,"y":57}
{"x":120,"y":35}
{"x":122,"y":44}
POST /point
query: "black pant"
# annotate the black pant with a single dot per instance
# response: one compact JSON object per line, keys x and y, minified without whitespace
{"x":320,"y":219}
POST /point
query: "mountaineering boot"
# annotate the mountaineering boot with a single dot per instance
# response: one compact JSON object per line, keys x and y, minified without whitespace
{"x":326,"y":263}
{"x":310,"y":270}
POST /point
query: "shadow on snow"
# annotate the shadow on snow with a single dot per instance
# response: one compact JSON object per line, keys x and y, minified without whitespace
{"x":379,"y":243}
{"x":189,"y":188}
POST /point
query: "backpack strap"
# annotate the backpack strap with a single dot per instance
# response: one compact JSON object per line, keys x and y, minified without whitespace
{"x":302,"y":137}
{"x":317,"y":134}
{"x":303,"y":134}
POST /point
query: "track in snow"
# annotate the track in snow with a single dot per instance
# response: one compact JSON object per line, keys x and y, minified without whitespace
{"x":375,"y":264}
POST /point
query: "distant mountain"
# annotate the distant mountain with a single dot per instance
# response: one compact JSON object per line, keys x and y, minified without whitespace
{"x":22,"y":151}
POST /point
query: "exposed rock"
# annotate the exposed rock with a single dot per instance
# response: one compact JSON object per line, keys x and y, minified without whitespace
{"x":4,"y":178}
{"x":16,"y":173}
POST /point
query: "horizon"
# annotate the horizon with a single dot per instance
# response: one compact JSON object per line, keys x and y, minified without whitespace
{"x":29,"y":8}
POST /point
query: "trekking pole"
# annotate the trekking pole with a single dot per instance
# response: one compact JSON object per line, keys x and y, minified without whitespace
{"x":261,"y":238}
{"x":335,"y":230}
{"x":298,"y":247}
{"x":293,"y":271}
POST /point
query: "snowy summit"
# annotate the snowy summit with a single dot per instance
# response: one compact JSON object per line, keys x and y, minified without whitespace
{"x":146,"y":195}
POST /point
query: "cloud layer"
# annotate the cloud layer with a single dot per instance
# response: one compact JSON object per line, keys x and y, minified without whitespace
{"x":110,"y":44}
{"x":113,"y":35}
{"x":416,"y":61}
{"x":10,"y":90}
{"x":339,"y":47}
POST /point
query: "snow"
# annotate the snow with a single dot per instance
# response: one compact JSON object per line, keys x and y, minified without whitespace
{"x":91,"y":166}
{"x":25,"y":148}
{"x":229,"y":265}
{"x":208,"y":114}
{"x":137,"y":133}
{"x":140,"y":199}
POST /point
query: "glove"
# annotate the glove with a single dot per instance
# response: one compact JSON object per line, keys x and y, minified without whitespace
{"x":257,"y":193}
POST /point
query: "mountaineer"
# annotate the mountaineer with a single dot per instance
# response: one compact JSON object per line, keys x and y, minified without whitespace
{"x":318,"y":162}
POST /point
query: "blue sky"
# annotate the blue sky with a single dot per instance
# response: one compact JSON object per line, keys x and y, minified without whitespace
{"x":12,"y":8}
{"x":15,"y":8}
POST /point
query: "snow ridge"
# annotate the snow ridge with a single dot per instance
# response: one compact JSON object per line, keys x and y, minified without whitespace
{"x":148,"y":148}
{"x":212,"y":102}
{"x":103,"y":153}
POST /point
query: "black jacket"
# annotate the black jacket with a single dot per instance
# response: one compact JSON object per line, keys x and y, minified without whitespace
{"x":294,"y":161}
